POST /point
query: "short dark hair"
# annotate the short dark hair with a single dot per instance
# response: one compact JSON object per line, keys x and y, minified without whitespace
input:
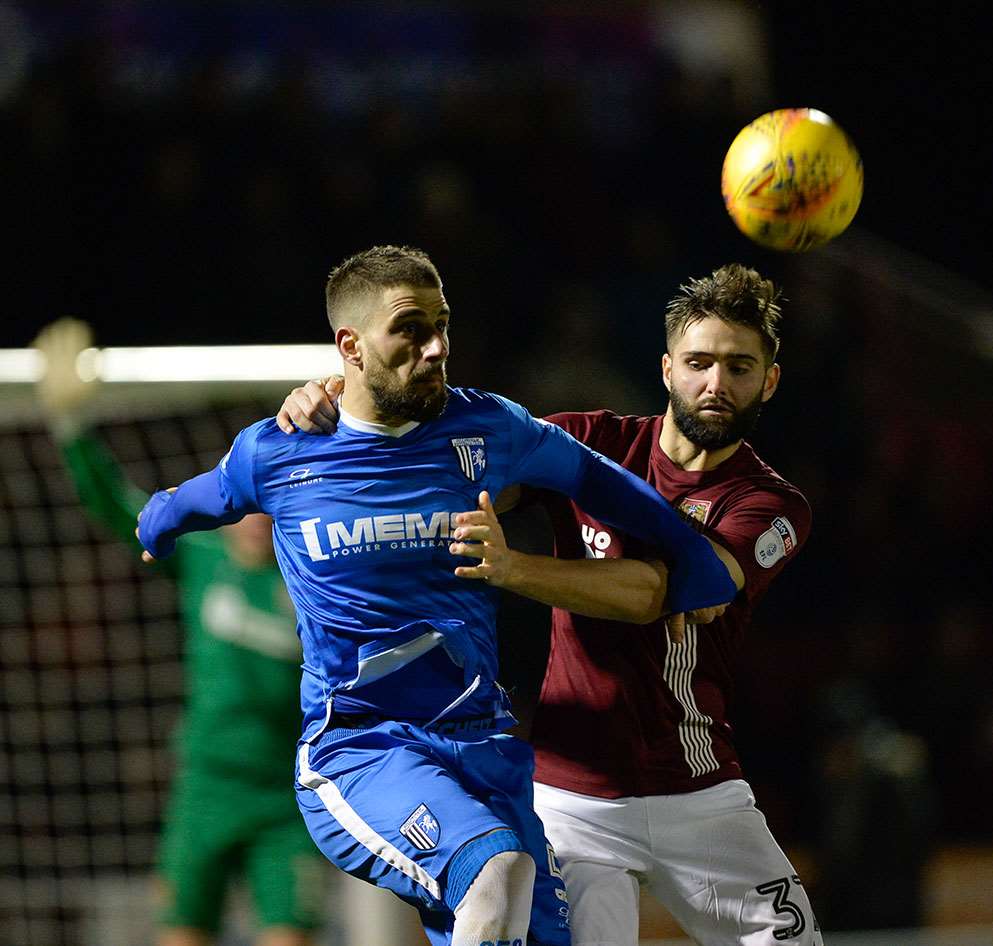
{"x":733,"y":293}
{"x":375,"y":269}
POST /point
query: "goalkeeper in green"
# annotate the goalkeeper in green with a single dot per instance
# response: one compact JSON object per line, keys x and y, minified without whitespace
{"x":232,"y":810}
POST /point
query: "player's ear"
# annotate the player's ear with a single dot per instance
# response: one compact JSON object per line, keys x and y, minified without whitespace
{"x":347,"y":338}
{"x":667,"y":371}
{"x":771,"y":382}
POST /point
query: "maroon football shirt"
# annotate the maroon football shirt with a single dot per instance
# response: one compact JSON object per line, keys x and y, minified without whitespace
{"x":622,"y":711}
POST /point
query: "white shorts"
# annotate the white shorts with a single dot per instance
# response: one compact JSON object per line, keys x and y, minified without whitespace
{"x":707,"y":856}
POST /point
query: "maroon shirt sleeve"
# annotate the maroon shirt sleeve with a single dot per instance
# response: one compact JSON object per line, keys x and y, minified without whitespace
{"x":580,"y":424}
{"x":763,"y":530}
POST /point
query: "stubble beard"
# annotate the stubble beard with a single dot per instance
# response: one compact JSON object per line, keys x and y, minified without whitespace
{"x":714,"y":433}
{"x":395,"y":398}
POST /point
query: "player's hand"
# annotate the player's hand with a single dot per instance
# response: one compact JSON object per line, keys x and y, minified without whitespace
{"x":147,"y":556}
{"x":675,"y":627}
{"x":62,"y":391}
{"x":705,"y":615}
{"x":675,"y":624}
{"x":312,"y":408}
{"x":478,"y":534}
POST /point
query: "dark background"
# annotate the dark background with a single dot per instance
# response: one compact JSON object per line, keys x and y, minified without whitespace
{"x":182,"y":172}
{"x":188,"y":174}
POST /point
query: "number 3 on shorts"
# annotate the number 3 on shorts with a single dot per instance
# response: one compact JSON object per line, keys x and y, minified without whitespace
{"x":781,"y":903}
{"x":556,"y":871}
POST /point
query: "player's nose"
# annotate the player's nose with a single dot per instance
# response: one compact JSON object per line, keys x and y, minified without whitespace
{"x":437,"y":348}
{"x":715,"y":379}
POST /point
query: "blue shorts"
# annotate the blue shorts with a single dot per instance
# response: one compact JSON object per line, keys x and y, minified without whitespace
{"x":420,"y":813}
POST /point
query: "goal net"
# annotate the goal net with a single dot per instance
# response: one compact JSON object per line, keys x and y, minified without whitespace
{"x":91,"y":647}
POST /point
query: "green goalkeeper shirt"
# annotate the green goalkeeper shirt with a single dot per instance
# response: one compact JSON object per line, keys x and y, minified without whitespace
{"x":242,"y":710}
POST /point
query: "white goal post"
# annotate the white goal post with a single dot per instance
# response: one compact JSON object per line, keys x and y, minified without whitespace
{"x":153,"y":380}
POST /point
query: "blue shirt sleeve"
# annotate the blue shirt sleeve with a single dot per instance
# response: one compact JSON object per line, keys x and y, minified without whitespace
{"x":545,"y":455}
{"x":237,"y":471}
{"x":224,"y":495}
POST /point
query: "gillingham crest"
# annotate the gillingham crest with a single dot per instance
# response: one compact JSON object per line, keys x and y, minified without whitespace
{"x":422,"y":829}
{"x":471,"y":453}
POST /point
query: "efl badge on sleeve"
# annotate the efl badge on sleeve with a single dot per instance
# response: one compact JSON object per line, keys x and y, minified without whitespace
{"x":471,"y":452}
{"x":775,"y":543}
{"x":422,"y":829}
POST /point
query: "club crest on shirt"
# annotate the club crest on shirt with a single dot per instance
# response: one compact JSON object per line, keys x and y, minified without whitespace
{"x":471,"y":453}
{"x":775,"y":543}
{"x":696,"y":509}
{"x":422,"y":829}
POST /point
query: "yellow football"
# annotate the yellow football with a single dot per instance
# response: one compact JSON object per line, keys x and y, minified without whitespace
{"x":792,"y":179}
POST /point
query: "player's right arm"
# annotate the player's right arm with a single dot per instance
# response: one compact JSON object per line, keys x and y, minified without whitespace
{"x":222,"y":496}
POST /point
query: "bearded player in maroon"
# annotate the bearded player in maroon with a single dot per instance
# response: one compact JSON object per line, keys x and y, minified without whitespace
{"x":755,"y":515}
{"x":637,"y":779}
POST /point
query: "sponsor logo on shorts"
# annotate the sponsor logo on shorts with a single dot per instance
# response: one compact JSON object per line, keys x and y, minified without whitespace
{"x":422,"y":829}
{"x":775,"y":543}
{"x":473,"y":724}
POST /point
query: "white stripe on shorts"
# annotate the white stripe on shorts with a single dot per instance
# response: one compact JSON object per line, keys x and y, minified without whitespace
{"x":694,"y":729}
{"x":353,"y":823}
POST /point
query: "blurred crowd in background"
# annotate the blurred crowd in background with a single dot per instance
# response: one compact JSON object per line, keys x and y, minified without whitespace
{"x":188,"y":174}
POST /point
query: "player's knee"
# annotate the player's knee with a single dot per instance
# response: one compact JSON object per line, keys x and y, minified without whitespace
{"x":472,"y":859}
{"x":780,"y":911}
{"x":514,"y":871}
{"x":502,"y":887}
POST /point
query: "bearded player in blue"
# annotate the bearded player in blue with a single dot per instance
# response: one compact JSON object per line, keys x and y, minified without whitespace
{"x":404,"y":775}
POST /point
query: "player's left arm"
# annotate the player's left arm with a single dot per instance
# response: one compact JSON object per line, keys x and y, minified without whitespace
{"x":222,"y":496}
{"x":760,"y":534}
{"x":615,"y":589}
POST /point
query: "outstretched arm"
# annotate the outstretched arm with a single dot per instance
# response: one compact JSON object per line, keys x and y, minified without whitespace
{"x":197,"y":505}
{"x":221,"y":497}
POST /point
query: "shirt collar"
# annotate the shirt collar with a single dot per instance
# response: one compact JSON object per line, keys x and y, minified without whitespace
{"x":367,"y":427}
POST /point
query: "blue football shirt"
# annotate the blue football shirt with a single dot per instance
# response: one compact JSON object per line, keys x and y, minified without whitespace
{"x":362,"y":520}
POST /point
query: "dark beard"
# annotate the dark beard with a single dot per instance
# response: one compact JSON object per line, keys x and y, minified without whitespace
{"x":395,"y":399}
{"x":714,"y":433}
